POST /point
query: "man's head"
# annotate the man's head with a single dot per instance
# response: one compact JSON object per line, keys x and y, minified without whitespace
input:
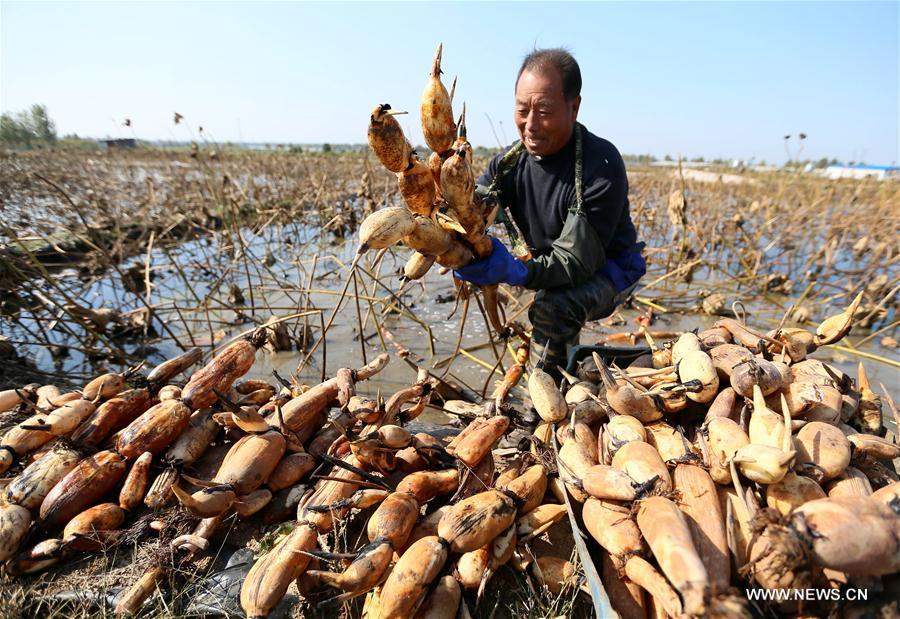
{"x":548,"y":93}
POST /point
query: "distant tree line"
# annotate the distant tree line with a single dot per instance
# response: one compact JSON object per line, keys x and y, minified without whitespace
{"x":28,"y":128}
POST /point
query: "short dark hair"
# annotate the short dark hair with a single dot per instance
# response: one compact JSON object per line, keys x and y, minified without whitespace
{"x":560,"y":59}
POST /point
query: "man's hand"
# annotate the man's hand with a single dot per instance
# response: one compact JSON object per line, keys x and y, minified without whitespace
{"x":500,"y":266}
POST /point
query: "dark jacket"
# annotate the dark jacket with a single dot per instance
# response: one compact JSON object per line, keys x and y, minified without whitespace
{"x":538,"y":194}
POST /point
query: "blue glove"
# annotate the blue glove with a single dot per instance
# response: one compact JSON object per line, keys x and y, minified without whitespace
{"x":500,"y":266}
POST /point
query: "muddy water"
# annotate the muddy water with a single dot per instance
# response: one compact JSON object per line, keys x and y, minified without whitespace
{"x":272,"y":269}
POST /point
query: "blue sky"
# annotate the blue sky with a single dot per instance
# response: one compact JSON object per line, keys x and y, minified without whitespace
{"x":711,"y":79}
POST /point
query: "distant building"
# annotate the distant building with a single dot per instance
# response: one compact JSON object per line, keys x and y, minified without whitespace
{"x":119,"y":143}
{"x":880,"y":172}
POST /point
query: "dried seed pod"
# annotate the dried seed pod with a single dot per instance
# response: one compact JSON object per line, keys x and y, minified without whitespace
{"x":385,"y":227}
{"x":89,"y":530}
{"x":82,"y":486}
{"x":135,"y":486}
{"x":32,"y":485}
{"x":475,"y":521}
{"x":154,"y":430}
{"x":15,"y":521}
{"x":222,"y":370}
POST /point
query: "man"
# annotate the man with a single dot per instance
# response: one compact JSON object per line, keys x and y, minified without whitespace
{"x":567,"y":192}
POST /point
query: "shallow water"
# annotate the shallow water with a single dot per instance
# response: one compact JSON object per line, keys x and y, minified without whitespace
{"x":272,"y":270}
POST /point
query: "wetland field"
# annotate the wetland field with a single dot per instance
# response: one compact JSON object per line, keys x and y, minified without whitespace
{"x":116,"y":261}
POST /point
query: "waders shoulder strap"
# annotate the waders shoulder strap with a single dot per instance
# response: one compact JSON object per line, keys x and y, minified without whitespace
{"x":507,"y":163}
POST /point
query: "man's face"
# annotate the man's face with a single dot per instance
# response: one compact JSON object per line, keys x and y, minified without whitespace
{"x":544,"y":118}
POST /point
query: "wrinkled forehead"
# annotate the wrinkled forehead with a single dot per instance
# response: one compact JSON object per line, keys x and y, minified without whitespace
{"x":542,"y":80}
